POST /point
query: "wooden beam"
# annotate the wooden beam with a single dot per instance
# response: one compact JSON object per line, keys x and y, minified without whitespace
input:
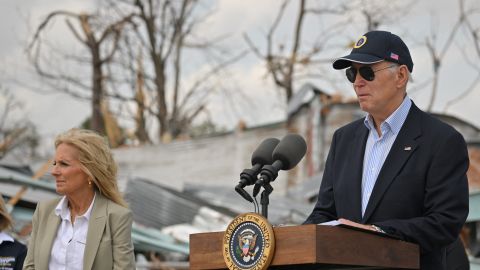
{"x":39,"y":173}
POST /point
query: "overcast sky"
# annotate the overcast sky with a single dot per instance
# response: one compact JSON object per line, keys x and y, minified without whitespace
{"x":56,"y":112}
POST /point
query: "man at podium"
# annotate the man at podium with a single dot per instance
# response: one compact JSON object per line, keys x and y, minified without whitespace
{"x":399,"y":170}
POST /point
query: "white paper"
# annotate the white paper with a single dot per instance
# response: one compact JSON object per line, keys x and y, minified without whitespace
{"x":330,"y":223}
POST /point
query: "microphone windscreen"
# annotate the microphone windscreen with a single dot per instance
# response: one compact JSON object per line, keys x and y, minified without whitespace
{"x":263,"y":154}
{"x":290,"y":151}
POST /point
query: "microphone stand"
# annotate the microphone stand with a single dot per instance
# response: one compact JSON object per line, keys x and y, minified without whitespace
{"x":264,"y":198}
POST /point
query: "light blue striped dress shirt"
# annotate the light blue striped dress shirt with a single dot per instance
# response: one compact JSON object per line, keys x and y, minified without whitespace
{"x":377,"y":148}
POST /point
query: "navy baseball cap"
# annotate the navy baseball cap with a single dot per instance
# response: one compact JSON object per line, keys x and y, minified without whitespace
{"x":374,"y":47}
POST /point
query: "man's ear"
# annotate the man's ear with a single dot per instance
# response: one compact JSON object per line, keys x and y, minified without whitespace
{"x":402,"y":76}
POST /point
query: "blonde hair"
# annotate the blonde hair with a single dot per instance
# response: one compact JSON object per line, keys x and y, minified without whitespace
{"x":96,"y":160}
{"x":5,"y":219}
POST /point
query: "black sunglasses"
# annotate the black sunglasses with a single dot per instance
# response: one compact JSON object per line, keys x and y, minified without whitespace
{"x":366,"y":72}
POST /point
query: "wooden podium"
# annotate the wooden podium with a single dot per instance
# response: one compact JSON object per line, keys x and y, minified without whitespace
{"x":316,"y":247}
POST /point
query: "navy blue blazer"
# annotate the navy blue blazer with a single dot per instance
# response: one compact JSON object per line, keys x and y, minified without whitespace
{"x":421,"y":193}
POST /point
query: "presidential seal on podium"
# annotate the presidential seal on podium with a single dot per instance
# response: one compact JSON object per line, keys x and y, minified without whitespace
{"x":248,"y":243}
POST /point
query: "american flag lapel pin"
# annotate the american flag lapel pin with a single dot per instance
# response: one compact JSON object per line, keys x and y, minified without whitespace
{"x":407,"y":148}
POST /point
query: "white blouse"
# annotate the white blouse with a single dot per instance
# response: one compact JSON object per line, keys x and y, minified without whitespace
{"x":69,"y":244}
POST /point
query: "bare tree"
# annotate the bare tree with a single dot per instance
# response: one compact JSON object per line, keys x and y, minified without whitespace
{"x":373,"y":14}
{"x":167,"y":31}
{"x":140,"y":118}
{"x":17,"y":135}
{"x":438,"y":54}
{"x":101,"y":42}
{"x":287,"y":67}
{"x":281,"y":67}
{"x":473,"y":35}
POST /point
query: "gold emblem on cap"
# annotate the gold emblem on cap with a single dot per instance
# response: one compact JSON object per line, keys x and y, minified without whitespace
{"x":360,"y":42}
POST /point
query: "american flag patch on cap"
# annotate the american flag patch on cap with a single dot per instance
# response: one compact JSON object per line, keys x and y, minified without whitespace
{"x":394,"y":56}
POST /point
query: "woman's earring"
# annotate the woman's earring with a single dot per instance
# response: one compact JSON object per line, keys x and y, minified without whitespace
{"x":89,"y":182}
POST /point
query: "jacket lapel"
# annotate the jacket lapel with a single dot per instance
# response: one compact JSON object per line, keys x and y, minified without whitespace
{"x":402,"y":149}
{"x":96,"y":226}
{"x":356,"y":161}
{"x":50,"y":232}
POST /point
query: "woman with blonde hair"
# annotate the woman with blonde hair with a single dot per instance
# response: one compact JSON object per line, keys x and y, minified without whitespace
{"x":12,"y":252}
{"x":89,"y":227}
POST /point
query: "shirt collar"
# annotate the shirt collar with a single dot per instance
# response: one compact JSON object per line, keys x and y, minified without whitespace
{"x":5,"y":238}
{"x":395,"y":121}
{"x":63,"y":211}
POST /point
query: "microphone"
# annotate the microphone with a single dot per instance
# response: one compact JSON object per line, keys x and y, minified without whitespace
{"x":286,"y":155}
{"x":261,"y":156}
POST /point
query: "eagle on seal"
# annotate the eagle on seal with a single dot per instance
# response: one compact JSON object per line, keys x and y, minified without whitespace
{"x":246,"y":242}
